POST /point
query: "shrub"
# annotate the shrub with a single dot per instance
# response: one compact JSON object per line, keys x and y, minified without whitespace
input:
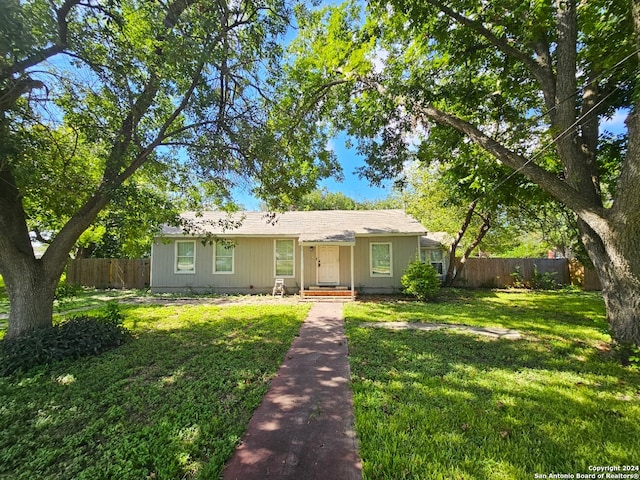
{"x":420,"y":280}
{"x":544,"y":281}
{"x":517,"y":279}
{"x":75,"y":337}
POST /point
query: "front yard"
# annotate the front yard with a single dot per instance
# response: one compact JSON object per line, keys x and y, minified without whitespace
{"x":441,"y":404}
{"x":452,"y":405}
{"x":172,"y":404}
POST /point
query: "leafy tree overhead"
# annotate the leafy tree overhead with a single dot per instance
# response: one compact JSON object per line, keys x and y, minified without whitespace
{"x":528,"y":82}
{"x":60,"y":168}
{"x":106,"y":88}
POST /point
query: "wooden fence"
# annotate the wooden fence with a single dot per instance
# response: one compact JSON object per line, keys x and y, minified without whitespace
{"x":109,"y":272}
{"x":477,"y":272}
{"x":498,"y":272}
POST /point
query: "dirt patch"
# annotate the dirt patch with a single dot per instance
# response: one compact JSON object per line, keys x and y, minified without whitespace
{"x":223,"y":300}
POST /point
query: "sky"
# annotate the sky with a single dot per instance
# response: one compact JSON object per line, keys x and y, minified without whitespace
{"x":352,"y":185}
{"x":359,"y":189}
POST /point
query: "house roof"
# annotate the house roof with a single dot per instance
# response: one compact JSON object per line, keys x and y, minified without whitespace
{"x":436,"y":240}
{"x":321,"y":226}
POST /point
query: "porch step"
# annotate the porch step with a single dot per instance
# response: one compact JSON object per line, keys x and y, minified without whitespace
{"x":328,"y":294}
{"x":325,"y":299}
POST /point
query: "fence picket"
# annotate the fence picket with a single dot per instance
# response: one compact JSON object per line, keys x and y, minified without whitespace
{"x":109,"y":272}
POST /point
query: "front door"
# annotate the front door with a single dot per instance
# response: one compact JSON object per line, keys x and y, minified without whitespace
{"x":328,"y":261}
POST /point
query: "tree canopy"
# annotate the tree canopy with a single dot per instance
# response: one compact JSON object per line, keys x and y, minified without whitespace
{"x":97,"y":99}
{"x":527,"y":82}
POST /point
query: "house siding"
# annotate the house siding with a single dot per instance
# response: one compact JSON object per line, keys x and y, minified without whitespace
{"x":254,"y":266}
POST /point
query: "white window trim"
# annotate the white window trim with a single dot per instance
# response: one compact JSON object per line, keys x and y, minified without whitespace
{"x":371,"y":274}
{"x":275,"y":258}
{"x":233,"y":260}
{"x":175,"y":259}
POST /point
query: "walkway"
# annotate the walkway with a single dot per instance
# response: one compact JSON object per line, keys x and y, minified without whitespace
{"x":492,"y":332}
{"x":304,"y":427}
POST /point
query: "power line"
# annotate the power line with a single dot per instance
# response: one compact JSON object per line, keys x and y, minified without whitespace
{"x":568,"y":129}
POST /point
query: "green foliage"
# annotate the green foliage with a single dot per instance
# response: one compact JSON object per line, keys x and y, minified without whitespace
{"x":119,"y":115}
{"x":517,"y":279}
{"x":172,"y":404}
{"x":539,"y":280}
{"x":420,"y":280}
{"x":66,"y":290}
{"x":75,"y":337}
{"x":470,"y":407}
{"x":325,"y":200}
{"x":544,"y":281}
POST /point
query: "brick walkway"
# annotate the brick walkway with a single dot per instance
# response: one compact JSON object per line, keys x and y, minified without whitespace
{"x":304,"y":427}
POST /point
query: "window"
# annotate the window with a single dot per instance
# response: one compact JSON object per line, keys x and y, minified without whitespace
{"x":223,"y":257}
{"x":380,"y":260}
{"x":434,"y":257}
{"x":185,"y":257}
{"x":284,"y":258}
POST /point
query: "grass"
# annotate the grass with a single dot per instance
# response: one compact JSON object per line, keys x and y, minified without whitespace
{"x":449,"y":405}
{"x":79,"y":298}
{"x":171,"y":404}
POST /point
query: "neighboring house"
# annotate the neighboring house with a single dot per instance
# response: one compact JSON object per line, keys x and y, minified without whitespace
{"x":317,"y":251}
{"x":434,"y":250}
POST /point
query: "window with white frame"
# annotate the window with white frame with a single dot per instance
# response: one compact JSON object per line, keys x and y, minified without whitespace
{"x":434,"y":257}
{"x":284,"y":258}
{"x":185,"y":257}
{"x":380,"y":264}
{"x":223,"y":255}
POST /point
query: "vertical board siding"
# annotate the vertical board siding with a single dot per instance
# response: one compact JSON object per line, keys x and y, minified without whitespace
{"x":254,"y":268}
{"x":109,"y":272}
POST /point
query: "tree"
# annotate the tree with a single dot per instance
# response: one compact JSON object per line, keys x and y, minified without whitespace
{"x":58,"y":169}
{"x":181,"y":85}
{"x":322,"y":199}
{"x":529,"y":82}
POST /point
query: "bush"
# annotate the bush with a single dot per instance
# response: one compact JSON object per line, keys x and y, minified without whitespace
{"x":544,"y":281}
{"x":76,"y":337}
{"x":420,"y":280}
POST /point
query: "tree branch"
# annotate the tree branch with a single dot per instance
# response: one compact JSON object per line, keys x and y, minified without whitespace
{"x":58,"y":47}
{"x":540,"y":70}
{"x":589,"y":211}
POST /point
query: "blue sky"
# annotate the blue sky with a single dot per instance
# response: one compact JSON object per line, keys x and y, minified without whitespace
{"x":353,"y":186}
{"x":360,"y":189}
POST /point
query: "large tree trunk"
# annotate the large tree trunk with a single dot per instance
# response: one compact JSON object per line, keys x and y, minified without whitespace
{"x":617,"y":255}
{"x":31,"y":289}
{"x":31,"y":282}
{"x":619,"y":278}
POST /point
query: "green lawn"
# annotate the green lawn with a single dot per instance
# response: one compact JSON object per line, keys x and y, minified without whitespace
{"x":77,"y":298}
{"x":450,"y":405}
{"x":171,"y":404}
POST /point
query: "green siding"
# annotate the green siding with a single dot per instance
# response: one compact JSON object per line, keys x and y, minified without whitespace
{"x":254,"y":266}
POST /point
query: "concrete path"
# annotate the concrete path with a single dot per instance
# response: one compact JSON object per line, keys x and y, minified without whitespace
{"x":303,"y":429}
{"x":493,"y":332}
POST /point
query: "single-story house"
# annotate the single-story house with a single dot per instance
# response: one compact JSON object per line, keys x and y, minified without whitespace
{"x":311,"y":251}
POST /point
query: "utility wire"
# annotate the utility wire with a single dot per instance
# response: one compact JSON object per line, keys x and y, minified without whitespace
{"x":568,"y":129}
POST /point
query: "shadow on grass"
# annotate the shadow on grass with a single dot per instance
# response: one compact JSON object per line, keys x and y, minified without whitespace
{"x":172,"y":403}
{"x":559,"y":315}
{"x":476,"y":408}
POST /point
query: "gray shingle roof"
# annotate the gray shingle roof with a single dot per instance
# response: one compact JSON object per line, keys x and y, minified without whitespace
{"x":436,"y":239}
{"x":320,"y":224}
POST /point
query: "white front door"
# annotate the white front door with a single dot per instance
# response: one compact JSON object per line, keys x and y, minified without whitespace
{"x":328,"y":262}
